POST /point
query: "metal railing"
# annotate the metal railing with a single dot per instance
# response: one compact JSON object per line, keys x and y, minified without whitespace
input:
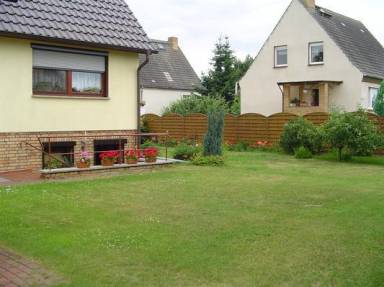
{"x":133,"y":140}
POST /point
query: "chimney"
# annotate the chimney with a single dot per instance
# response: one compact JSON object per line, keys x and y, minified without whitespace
{"x":310,"y":3}
{"x":173,"y":42}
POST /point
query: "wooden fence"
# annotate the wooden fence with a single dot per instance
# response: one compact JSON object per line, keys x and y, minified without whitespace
{"x":248,"y":127}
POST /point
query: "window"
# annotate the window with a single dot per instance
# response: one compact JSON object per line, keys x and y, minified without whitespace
{"x":304,"y":95}
{"x":66,"y":72}
{"x":281,"y":56}
{"x":373,"y":92}
{"x":316,"y":53}
{"x":62,"y":155}
{"x":168,"y":76}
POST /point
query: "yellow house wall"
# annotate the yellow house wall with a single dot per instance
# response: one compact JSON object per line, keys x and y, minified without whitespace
{"x":21,"y":111}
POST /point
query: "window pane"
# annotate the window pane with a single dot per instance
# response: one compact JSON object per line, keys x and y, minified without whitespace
{"x":281,"y":56}
{"x":49,"y":80}
{"x":83,"y":82}
{"x":317,"y":53}
{"x":373,"y":92}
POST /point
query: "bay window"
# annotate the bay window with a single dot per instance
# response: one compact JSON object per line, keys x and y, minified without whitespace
{"x":69,"y":72}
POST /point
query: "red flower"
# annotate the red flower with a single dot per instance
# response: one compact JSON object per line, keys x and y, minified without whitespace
{"x":113,"y":155}
{"x":151,"y":152}
{"x":133,"y":154}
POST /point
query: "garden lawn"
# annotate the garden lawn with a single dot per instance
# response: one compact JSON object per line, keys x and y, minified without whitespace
{"x":262,"y":220}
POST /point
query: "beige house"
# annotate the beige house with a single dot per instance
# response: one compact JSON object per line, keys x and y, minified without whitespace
{"x":314,"y":60}
{"x":66,"y":76}
{"x":168,"y":77}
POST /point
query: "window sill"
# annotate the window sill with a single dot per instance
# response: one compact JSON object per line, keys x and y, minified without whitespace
{"x":71,"y":97}
{"x":280,"y":67}
{"x":316,"y":64}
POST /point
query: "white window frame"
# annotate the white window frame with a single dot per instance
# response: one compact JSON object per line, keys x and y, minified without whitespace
{"x":370,"y":97}
{"x":315,"y":44}
{"x":275,"y":51}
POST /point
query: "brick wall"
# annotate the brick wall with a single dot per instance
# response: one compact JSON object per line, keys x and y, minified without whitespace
{"x":16,"y":155}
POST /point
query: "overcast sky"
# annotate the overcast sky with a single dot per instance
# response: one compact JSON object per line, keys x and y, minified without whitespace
{"x":248,"y":23}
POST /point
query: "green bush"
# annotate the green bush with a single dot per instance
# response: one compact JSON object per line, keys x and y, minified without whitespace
{"x":239,"y":146}
{"x":379,"y":102}
{"x":301,"y":133}
{"x":185,"y":152}
{"x":208,"y":160}
{"x":352,"y":131}
{"x":193,"y":103}
{"x":303,"y":153}
{"x":214,"y":138}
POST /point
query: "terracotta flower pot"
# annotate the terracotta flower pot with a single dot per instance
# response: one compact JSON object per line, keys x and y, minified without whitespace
{"x":108,"y":162}
{"x":131,"y":161}
{"x":83,"y":164}
{"x":150,"y":159}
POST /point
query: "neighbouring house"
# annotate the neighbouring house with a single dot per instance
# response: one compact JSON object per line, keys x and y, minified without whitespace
{"x":314,"y":60}
{"x":167,"y":78}
{"x":68,"y":78}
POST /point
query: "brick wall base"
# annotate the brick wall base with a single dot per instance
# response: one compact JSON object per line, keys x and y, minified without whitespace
{"x":16,"y":155}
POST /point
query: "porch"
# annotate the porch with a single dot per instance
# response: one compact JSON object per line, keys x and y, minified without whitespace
{"x":302,"y":98}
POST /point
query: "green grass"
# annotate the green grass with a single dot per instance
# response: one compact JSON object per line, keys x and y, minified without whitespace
{"x":261,"y":220}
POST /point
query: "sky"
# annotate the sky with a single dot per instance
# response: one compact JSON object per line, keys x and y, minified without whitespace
{"x":199,"y":23}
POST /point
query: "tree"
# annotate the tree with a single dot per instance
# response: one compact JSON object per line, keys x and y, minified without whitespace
{"x":352,"y":131}
{"x":379,"y":103}
{"x":226,"y":70}
{"x":214,"y":138}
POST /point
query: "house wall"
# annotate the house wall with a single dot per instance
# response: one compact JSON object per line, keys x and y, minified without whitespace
{"x":157,"y":99}
{"x":297,"y":28}
{"x":22,"y":112}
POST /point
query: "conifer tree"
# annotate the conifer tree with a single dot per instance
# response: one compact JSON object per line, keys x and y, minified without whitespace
{"x":379,"y":103}
{"x":214,"y":138}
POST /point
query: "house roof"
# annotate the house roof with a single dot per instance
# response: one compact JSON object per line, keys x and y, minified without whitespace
{"x":363,"y":50}
{"x":169,"y":69}
{"x":99,"y":23}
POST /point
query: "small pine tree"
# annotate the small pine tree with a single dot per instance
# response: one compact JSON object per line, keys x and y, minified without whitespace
{"x":379,"y":103}
{"x":214,"y":137}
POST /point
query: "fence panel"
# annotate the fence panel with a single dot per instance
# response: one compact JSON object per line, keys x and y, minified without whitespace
{"x":317,"y":118}
{"x":195,"y":126}
{"x":174,"y":124}
{"x":153,"y":123}
{"x":230,"y":128}
{"x":276,"y":124}
{"x":252,"y":128}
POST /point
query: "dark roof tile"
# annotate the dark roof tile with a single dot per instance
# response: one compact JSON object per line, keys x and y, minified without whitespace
{"x":108,"y":23}
{"x":170,"y":61}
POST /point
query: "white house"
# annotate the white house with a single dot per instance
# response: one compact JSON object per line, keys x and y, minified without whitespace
{"x":314,"y":60}
{"x":167,"y":77}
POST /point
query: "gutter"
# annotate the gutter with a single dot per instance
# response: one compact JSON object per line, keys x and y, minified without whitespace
{"x":142,"y":65}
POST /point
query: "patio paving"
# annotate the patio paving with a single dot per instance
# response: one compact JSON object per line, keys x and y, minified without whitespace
{"x":18,"y":271}
{"x":24,"y":176}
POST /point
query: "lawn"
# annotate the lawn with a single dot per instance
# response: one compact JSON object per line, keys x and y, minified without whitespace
{"x":262,"y":220}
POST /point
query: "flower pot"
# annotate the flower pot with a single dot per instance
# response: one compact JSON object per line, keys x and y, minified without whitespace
{"x":83,"y":164}
{"x":150,"y":159}
{"x":108,"y":162}
{"x":131,"y":161}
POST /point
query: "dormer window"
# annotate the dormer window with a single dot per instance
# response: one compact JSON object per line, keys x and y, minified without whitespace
{"x":316,"y":53}
{"x":281,"y":56}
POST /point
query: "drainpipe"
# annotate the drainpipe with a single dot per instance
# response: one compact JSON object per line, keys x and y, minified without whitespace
{"x":148,"y":53}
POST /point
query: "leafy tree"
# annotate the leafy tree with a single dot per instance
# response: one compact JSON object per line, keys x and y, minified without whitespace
{"x":197,"y":104}
{"x":379,"y":103}
{"x":226,"y":70}
{"x":351,"y":132}
{"x":235,"y":107}
{"x":214,"y":138}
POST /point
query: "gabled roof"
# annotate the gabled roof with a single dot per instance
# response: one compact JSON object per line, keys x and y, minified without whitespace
{"x":169,"y":69}
{"x":100,"y":23}
{"x":363,"y":50}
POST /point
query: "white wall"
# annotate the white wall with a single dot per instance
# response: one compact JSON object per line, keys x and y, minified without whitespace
{"x":259,"y":90}
{"x":156,"y":99}
{"x":21,"y":111}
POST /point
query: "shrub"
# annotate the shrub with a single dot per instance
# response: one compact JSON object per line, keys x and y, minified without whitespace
{"x":238,"y":146}
{"x":208,"y":160}
{"x":379,"y":102}
{"x":351,"y":131}
{"x":301,"y":133}
{"x":303,"y":153}
{"x":185,"y":152}
{"x":214,"y":137}
{"x":149,"y":143}
{"x":193,"y":103}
